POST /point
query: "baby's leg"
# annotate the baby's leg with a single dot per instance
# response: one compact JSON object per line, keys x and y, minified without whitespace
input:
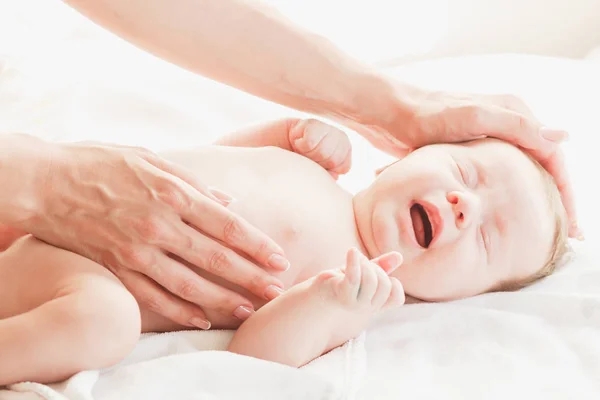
{"x":60,"y":314}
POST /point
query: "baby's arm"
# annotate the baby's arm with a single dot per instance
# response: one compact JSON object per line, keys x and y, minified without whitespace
{"x":321,"y":313}
{"x":324,"y":144}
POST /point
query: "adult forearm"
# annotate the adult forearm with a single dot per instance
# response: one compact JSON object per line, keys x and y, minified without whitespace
{"x":252,"y":47}
{"x":23,"y":160}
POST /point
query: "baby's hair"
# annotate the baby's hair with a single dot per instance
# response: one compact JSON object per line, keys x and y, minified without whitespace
{"x":559,"y":242}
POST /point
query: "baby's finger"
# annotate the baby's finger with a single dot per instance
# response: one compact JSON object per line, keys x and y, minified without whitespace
{"x":384,"y":288}
{"x":389,"y":261}
{"x":341,"y":151}
{"x":351,"y":284}
{"x":309,"y":136}
{"x":397,"y":296}
{"x":368,"y":282}
{"x":344,"y":163}
{"x":326,"y":275}
{"x":325,"y":154}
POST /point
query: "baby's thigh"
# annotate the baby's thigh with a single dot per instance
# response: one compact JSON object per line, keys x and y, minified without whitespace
{"x":94,"y":320}
{"x":33,"y":272}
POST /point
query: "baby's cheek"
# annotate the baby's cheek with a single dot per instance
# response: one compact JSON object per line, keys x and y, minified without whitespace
{"x":440,"y":274}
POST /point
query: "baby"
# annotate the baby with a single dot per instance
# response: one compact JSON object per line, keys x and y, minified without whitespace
{"x":467,"y":219}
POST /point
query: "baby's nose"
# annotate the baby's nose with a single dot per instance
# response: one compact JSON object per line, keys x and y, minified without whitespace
{"x":465,"y":207}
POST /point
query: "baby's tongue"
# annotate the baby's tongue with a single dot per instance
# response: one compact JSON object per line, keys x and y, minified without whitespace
{"x":417,"y":222}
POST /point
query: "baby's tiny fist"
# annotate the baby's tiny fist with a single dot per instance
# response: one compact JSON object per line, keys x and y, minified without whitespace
{"x":324,"y":144}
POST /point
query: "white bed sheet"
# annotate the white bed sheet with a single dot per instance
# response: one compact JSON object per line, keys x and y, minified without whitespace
{"x":543,"y":342}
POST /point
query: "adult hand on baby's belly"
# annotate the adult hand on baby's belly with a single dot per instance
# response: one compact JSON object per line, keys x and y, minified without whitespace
{"x":127,"y":209}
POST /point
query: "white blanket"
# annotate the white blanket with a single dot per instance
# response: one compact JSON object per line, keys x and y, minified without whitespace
{"x":541,"y":343}
{"x":193,"y":365}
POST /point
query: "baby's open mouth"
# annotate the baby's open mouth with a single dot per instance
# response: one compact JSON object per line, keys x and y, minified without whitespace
{"x":421,"y":225}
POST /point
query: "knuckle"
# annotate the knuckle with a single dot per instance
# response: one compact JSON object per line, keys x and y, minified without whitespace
{"x":145,"y":153}
{"x":219,"y":262}
{"x":262,"y":249}
{"x":385,"y":284}
{"x":523,"y":122}
{"x":186,"y":242}
{"x":135,"y":256}
{"x":187,"y":289}
{"x":150,"y":229}
{"x":311,"y":124}
{"x":339,"y":158}
{"x":371,"y":274}
{"x":474,"y":114}
{"x":171,"y":194}
{"x":228,"y":305}
{"x":258,"y":283}
{"x":329,"y":163}
{"x":511,"y":100}
{"x":233,"y":231}
{"x":152,"y":303}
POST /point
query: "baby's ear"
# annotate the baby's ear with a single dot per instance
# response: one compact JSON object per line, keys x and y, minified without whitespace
{"x":380,"y":170}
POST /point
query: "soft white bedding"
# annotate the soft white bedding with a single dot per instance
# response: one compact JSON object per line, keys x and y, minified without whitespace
{"x":543,"y":342}
{"x":167,"y":366}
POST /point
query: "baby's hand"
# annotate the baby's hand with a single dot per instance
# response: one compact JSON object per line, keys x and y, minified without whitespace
{"x":324,"y":144}
{"x":364,"y":287}
{"x":349,"y":298}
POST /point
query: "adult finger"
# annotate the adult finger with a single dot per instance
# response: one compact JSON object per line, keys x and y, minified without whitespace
{"x":540,"y":142}
{"x":517,"y":128}
{"x":513,"y":103}
{"x":188,"y":177}
{"x":152,"y":297}
{"x":235,"y":232}
{"x":556,"y":166}
{"x":185,"y":283}
{"x":219,"y":260}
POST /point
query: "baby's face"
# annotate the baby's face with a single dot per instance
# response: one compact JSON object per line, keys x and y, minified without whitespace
{"x":465,"y":217}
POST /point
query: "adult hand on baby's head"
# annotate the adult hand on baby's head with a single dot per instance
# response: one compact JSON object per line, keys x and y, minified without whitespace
{"x":326,"y":145}
{"x":133,"y":212}
{"x":415,"y":118}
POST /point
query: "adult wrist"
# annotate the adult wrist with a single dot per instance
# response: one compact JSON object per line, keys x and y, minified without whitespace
{"x":24,"y":161}
{"x":380,"y":102}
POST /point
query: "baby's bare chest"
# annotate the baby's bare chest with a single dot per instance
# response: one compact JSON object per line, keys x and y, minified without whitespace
{"x":290,"y":198}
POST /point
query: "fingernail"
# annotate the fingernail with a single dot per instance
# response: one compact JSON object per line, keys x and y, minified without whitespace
{"x":243,"y":313}
{"x":277,"y":261}
{"x":221,"y":197}
{"x":200,"y":323}
{"x":273,"y":292}
{"x":554,"y":135}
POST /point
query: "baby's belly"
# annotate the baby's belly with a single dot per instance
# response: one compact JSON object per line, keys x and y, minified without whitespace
{"x":288,"y":197}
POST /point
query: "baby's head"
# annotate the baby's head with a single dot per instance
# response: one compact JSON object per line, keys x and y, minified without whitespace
{"x":468,"y":219}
